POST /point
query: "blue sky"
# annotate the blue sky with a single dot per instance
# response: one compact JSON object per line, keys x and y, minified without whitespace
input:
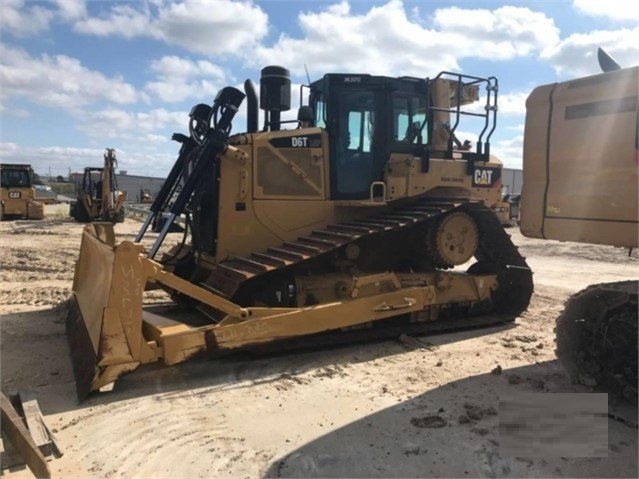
{"x":79,"y":76}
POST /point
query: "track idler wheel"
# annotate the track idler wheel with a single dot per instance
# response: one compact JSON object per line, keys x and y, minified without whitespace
{"x":454,"y":240}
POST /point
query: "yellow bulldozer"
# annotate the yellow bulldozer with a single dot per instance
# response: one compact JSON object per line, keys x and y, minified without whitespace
{"x":580,"y":184}
{"x":98,"y":197}
{"x":363,"y":218}
{"x":17,"y":193}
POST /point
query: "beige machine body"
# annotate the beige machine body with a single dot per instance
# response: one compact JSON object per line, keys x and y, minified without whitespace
{"x":580,"y":160}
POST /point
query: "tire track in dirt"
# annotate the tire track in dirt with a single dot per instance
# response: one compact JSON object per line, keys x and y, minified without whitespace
{"x":187,"y":438}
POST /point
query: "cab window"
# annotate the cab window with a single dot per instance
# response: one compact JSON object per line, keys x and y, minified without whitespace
{"x":14,"y":178}
{"x":409,"y":113}
{"x":320,"y":113}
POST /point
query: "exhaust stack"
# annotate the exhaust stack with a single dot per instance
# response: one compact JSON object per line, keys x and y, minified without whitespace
{"x":252,"y":110}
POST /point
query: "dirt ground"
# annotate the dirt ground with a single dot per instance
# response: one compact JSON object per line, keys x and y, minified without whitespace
{"x":388,"y":409}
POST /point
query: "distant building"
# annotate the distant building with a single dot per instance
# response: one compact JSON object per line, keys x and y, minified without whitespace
{"x":132,"y":184}
{"x":512,"y":179}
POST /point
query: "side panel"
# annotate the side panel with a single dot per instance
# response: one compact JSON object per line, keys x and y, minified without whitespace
{"x":445,"y":178}
{"x":580,"y":173}
{"x":277,"y":195}
{"x":289,"y":164}
{"x":239,"y":231}
{"x":289,"y":182}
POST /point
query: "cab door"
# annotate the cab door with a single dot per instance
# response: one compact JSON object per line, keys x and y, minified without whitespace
{"x":354,"y":143}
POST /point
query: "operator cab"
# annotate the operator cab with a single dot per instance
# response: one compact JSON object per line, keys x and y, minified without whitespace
{"x":16,"y":176}
{"x":369,"y":118}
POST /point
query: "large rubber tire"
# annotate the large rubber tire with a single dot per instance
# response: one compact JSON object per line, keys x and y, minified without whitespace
{"x":79,"y":213}
{"x":597,"y":338}
{"x":119,"y":217}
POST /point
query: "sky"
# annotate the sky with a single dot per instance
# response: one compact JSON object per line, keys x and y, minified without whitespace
{"x":79,"y":76}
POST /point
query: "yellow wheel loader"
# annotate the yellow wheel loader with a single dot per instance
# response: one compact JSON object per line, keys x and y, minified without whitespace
{"x":17,"y":194}
{"x":363,"y":218}
{"x":98,"y":197}
{"x":580,"y":184}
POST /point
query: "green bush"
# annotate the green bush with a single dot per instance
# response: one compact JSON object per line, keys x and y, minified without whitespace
{"x":67,"y":189}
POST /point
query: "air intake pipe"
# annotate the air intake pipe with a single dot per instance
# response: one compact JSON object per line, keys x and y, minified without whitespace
{"x":252,"y":110}
{"x":275,"y":95}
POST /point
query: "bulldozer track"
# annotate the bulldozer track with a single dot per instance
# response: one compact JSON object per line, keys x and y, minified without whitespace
{"x":597,"y":337}
{"x":496,"y":252}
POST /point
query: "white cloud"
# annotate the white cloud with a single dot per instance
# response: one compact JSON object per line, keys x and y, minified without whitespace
{"x":125,"y":125}
{"x":122,"y":20}
{"x":180,"y":78}
{"x":384,"y":40}
{"x":516,"y":128}
{"x":213,"y":27}
{"x":576,"y":55}
{"x":22,"y":21}
{"x":208,"y":28}
{"x":618,"y":10}
{"x":71,"y":9}
{"x":512,"y":103}
{"x":58,"y":81}
{"x":151,"y":163}
{"x":509,"y":151}
{"x":500,"y":34}
{"x":336,"y":40}
{"x":23,"y":18}
{"x":60,"y":159}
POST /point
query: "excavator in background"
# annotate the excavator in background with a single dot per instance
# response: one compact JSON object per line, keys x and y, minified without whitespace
{"x":17,"y":193}
{"x":508,"y":210}
{"x":145,"y":196}
{"x":98,"y":197}
{"x":362,"y":220}
{"x":580,"y":184}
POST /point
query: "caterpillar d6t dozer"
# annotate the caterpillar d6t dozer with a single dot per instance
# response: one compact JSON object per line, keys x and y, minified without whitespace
{"x":362,"y":218}
{"x":580,"y":184}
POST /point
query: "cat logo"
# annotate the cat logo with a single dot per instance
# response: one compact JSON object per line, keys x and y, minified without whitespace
{"x":486,"y":177}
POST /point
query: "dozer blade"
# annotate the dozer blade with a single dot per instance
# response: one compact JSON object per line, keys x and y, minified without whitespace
{"x":105,"y":324}
{"x":105,"y":339}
